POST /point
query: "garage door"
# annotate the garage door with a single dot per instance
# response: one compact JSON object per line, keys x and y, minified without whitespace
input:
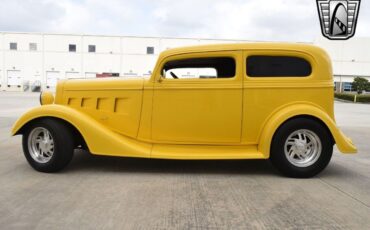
{"x":52,"y":78}
{"x":90,"y":75}
{"x":14,"y":78}
{"x":71,"y":75}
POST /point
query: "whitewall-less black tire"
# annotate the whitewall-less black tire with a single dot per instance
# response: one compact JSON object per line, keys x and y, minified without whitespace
{"x":301,"y":148}
{"x":48,"y":145}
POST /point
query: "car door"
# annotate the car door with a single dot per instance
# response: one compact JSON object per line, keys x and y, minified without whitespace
{"x":198,"y":99}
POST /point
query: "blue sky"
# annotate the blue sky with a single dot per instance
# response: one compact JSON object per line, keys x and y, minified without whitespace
{"x":268,"y":20}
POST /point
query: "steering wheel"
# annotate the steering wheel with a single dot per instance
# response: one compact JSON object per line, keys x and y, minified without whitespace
{"x":174,"y":75}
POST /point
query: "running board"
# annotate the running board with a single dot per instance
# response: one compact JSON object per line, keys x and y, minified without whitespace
{"x":205,"y":152}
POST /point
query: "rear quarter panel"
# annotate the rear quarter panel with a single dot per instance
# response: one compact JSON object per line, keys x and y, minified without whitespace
{"x":265,"y":96}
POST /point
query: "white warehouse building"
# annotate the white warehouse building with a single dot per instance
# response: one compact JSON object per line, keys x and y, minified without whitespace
{"x":351,"y":58}
{"x":28,"y":59}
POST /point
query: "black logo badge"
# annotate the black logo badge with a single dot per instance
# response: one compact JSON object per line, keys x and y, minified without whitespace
{"x":338,"y":18}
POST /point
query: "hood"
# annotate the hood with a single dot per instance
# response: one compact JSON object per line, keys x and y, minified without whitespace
{"x":114,"y":102}
{"x":97,"y":84}
{"x":113,"y":83}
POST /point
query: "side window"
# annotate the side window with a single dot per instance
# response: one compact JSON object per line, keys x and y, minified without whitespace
{"x":277,"y":66}
{"x":198,"y":68}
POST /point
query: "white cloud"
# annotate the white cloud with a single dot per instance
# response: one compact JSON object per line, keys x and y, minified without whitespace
{"x":273,"y":20}
{"x":28,"y":15}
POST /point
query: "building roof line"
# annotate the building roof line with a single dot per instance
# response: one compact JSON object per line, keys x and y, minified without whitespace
{"x":121,"y":36}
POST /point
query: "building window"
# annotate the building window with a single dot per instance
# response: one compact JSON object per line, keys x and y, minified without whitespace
{"x":150,"y":50}
{"x":72,"y":47}
{"x":92,"y":48}
{"x":347,"y":86}
{"x":13,"y":46}
{"x":33,"y":46}
{"x":277,"y":66}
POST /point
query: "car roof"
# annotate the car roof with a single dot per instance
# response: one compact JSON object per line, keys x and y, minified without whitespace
{"x":320,"y":56}
{"x":309,"y":48}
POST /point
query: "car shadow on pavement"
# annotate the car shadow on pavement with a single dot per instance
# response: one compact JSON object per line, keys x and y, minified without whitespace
{"x":84,"y":161}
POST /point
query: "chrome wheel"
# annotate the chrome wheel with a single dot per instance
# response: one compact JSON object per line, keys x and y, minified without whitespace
{"x":41,"y":145}
{"x":302,"y":148}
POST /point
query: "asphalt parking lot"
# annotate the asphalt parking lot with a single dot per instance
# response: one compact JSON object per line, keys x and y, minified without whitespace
{"x":121,"y":193}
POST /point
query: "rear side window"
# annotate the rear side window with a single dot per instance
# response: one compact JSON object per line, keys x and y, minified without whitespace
{"x":217,"y":67}
{"x":277,"y":66}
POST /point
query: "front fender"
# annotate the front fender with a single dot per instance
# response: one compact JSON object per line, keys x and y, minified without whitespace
{"x":343,"y":143}
{"x":99,"y":139}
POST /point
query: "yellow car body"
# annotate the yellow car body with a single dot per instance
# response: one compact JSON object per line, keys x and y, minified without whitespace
{"x":215,"y":118}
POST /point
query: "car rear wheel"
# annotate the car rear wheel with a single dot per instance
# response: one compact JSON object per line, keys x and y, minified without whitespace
{"x":48,"y":145}
{"x":301,"y":148}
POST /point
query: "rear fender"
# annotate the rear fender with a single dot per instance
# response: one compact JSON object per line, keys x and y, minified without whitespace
{"x":343,"y":143}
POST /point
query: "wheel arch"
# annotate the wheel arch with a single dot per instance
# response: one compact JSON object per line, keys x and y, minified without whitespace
{"x":310,"y":117}
{"x":78,"y":138}
{"x":295,"y":111}
{"x":98,"y":138}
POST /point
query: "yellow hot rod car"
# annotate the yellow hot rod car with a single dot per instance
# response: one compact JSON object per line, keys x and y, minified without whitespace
{"x":235,"y":101}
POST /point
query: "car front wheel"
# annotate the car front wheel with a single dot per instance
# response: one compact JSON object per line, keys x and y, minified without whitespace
{"x":301,"y":148}
{"x":48,"y":145}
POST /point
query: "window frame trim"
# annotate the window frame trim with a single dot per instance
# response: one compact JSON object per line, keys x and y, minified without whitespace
{"x":237,"y":55}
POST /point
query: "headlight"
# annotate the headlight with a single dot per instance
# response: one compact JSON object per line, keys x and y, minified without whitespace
{"x":46,"y":98}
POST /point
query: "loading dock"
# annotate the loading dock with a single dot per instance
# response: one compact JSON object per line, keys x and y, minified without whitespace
{"x":72,"y":75}
{"x":51,"y":78}
{"x":14,"y":80}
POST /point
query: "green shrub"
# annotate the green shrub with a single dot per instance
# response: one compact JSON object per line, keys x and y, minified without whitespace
{"x":345,"y":96}
{"x":365,"y":98}
{"x":360,"y":84}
